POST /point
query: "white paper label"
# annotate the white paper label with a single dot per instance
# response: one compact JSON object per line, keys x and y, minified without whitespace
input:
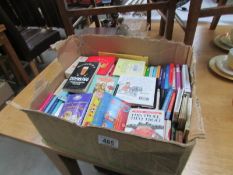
{"x":108,"y":141}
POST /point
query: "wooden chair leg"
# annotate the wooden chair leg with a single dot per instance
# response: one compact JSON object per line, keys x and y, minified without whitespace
{"x":162,"y":23}
{"x":149,"y":18}
{"x":216,"y":19}
{"x":194,"y":11}
{"x":170,"y":19}
{"x":34,"y":67}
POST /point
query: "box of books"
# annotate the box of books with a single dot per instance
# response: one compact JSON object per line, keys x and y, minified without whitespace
{"x":126,"y":104}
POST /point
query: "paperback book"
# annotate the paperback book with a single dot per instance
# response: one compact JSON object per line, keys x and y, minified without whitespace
{"x":103,"y":84}
{"x":129,"y":67}
{"x":74,"y":109}
{"x":81,"y":77}
{"x":146,"y":122}
{"x":106,"y":63}
{"x":138,"y":91}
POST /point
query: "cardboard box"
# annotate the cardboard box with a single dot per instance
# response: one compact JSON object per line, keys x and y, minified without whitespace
{"x":118,"y":151}
{"x":5,"y":92}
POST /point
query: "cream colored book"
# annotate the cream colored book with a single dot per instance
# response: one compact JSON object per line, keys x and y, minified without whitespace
{"x":129,"y":67}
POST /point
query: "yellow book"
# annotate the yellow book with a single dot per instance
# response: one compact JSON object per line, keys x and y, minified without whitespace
{"x":126,"y":56}
{"x":129,"y":67}
{"x":95,"y":101}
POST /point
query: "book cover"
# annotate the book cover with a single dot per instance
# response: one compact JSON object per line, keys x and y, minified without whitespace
{"x":146,"y":122}
{"x":167,"y":100}
{"x":95,"y":101}
{"x":177,"y":105}
{"x":103,"y":84}
{"x":171,"y":74}
{"x":106,"y":63}
{"x":101,"y":109}
{"x":170,"y":106}
{"x":185,"y":79}
{"x":137,"y":90}
{"x":129,"y":67}
{"x":74,"y":109}
{"x":178,"y":77}
{"x":70,"y":69}
{"x":166,"y":81}
{"x":81,"y":77}
{"x":116,"y":114}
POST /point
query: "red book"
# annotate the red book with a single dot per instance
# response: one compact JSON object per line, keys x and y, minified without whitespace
{"x":46,"y":102}
{"x":106,"y":63}
{"x":171,"y":74}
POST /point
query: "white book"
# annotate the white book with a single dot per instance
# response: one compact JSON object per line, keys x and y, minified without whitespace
{"x":174,"y":79}
{"x":70,"y":69}
{"x":146,"y":122}
{"x":185,"y":79}
{"x":167,"y":133}
{"x":137,"y":90}
{"x":177,"y":104}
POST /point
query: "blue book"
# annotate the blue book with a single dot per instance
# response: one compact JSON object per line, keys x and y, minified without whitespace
{"x":160,"y":77}
{"x":167,"y":71}
{"x":75,"y":107}
{"x":53,"y":105}
{"x":154,"y":72}
{"x":102,"y":108}
{"x":163,"y":77}
{"x":50,"y":104}
{"x":167,"y":100}
{"x":57,"y":107}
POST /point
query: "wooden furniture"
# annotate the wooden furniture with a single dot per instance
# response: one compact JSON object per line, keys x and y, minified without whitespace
{"x":166,"y":7}
{"x":196,"y":12}
{"x":12,"y":55}
{"x":211,"y":155}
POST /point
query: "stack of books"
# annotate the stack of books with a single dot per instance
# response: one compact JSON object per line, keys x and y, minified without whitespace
{"x":119,"y":92}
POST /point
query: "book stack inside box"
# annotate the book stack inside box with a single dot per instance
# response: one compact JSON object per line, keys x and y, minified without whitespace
{"x":122,"y":92}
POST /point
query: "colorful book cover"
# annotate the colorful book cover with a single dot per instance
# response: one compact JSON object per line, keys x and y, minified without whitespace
{"x":101,"y":109}
{"x":158,"y":71}
{"x":171,"y":74}
{"x":81,"y":77}
{"x":116,"y":114}
{"x":75,"y":107}
{"x":95,"y":101}
{"x":52,"y":100}
{"x":129,"y":67}
{"x":106,"y":63}
{"x":167,"y":100}
{"x":170,"y":106}
{"x":166,"y":83}
{"x":146,"y":122}
{"x":70,"y":69}
{"x":137,"y":90}
{"x":46,"y":102}
{"x":103,"y":84}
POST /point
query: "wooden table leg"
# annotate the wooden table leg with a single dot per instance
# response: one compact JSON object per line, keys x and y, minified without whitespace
{"x":14,"y":58}
{"x":65,"y":165}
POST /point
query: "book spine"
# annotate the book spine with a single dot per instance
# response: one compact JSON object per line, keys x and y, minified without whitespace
{"x":154,"y":72}
{"x":166,"y":83}
{"x":158,"y":71}
{"x":160,"y":77}
{"x":167,"y":100}
{"x":53,"y":106}
{"x":50,"y":104}
{"x":178,"y":77}
{"x":151,"y":71}
{"x":163,"y":78}
{"x":57,"y":107}
{"x":167,"y":135}
{"x":187,"y":87}
{"x":57,"y":113}
{"x":46,"y":102}
{"x":170,"y":106}
{"x":147,"y":72}
{"x":174,"y":80}
{"x":177,"y":105}
{"x":171,"y":74}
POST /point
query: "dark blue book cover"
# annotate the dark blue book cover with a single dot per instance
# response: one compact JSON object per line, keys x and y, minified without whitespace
{"x":75,"y":107}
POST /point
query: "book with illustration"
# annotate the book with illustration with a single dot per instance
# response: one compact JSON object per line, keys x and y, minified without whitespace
{"x":129,"y":67}
{"x":103,"y":84}
{"x":95,"y":101}
{"x":138,"y":91}
{"x":146,"y":122}
{"x":81,"y":77}
{"x":74,"y":109}
{"x":106,"y":63}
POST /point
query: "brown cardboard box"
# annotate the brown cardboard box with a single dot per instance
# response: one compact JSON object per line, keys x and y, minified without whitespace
{"x":119,"y":151}
{"x":5,"y":92}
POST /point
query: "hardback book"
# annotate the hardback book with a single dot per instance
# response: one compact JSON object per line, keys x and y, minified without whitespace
{"x":116,"y":114}
{"x":81,"y":77}
{"x":74,"y":109}
{"x":171,"y":74}
{"x":146,"y":122}
{"x":138,"y":91}
{"x":95,"y":101}
{"x":129,"y":67}
{"x":106,"y":63}
{"x":70,"y":69}
{"x":103,"y":84}
{"x":188,"y":121}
